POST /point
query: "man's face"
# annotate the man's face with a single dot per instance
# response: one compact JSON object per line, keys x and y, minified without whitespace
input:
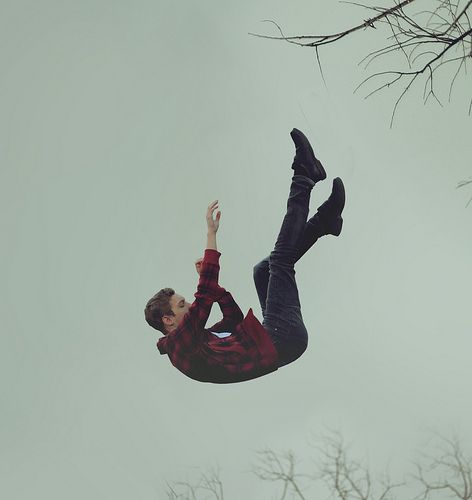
{"x":180,"y":308}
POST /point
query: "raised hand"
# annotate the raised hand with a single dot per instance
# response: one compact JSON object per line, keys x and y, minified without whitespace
{"x":213,"y":223}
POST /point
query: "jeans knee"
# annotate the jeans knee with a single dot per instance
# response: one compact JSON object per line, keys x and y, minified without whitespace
{"x":260,"y":269}
{"x":290,"y":340}
{"x":290,"y":352}
{"x":283,"y":257}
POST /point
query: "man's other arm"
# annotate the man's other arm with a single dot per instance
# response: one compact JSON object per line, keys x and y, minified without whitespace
{"x":232,"y":314}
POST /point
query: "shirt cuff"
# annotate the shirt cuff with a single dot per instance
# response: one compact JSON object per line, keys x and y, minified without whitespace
{"x":212,"y":256}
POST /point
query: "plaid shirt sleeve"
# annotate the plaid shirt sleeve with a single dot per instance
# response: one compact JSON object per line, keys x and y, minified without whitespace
{"x":186,"y":338}
{"x":232,"y":314}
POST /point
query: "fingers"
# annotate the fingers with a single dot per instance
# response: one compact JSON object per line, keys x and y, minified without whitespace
{"x":211,"y":208}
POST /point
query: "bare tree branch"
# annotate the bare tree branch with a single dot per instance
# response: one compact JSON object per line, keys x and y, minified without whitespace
{"x":449,"y":472}
{"x":349,"y":479}
{"x":437,"y":31}
{"x":323,"y":39}
{"x":444,"y":472}
{"x":280,"y":468}
{"x":465,"y":183}
{"x":185,"y":490}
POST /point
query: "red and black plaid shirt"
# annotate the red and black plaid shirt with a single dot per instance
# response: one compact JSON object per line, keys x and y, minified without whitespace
{"x":246,"y":354}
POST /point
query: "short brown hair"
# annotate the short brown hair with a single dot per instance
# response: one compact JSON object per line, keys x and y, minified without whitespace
{"x":158,"y":306}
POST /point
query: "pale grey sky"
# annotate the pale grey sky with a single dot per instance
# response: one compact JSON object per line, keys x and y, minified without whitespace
{"x":120,"y":122}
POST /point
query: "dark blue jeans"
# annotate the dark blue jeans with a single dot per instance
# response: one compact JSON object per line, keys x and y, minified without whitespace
{"x":274,"y":276}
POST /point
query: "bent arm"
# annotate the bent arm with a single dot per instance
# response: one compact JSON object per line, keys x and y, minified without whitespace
{"x":232,"y":314}
{"x":208,"y":290}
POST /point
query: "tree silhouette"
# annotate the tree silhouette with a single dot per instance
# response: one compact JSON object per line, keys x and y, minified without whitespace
{"x":445,"y":472}
{"x":208,"y":487}
{"x":346,"y":478}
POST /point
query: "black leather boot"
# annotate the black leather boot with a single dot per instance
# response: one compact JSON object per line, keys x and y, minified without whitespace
{"x":329,"y":213}
{"x":305,"y":163}
{"x":327,"y":219}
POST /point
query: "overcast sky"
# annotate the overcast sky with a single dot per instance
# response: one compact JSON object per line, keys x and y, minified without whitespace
{"x":120,"y":122}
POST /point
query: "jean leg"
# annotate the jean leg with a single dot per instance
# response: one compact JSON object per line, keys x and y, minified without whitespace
{"x":261,"y":271}
{"x":283,"y":319}
{"x":311,"y":234}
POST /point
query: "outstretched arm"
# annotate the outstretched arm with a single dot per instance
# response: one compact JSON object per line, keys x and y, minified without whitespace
{"x":208,"y":290}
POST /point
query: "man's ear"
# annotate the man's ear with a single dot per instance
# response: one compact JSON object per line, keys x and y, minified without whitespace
{"x":166,"y":319}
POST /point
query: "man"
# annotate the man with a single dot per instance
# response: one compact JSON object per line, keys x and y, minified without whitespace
{"x":240,"y":348}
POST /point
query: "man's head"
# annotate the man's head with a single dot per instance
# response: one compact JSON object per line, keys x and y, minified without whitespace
{"x":165,"y":310}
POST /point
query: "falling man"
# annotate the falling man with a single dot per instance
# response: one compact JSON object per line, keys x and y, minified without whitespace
{"x":239,"y":348}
